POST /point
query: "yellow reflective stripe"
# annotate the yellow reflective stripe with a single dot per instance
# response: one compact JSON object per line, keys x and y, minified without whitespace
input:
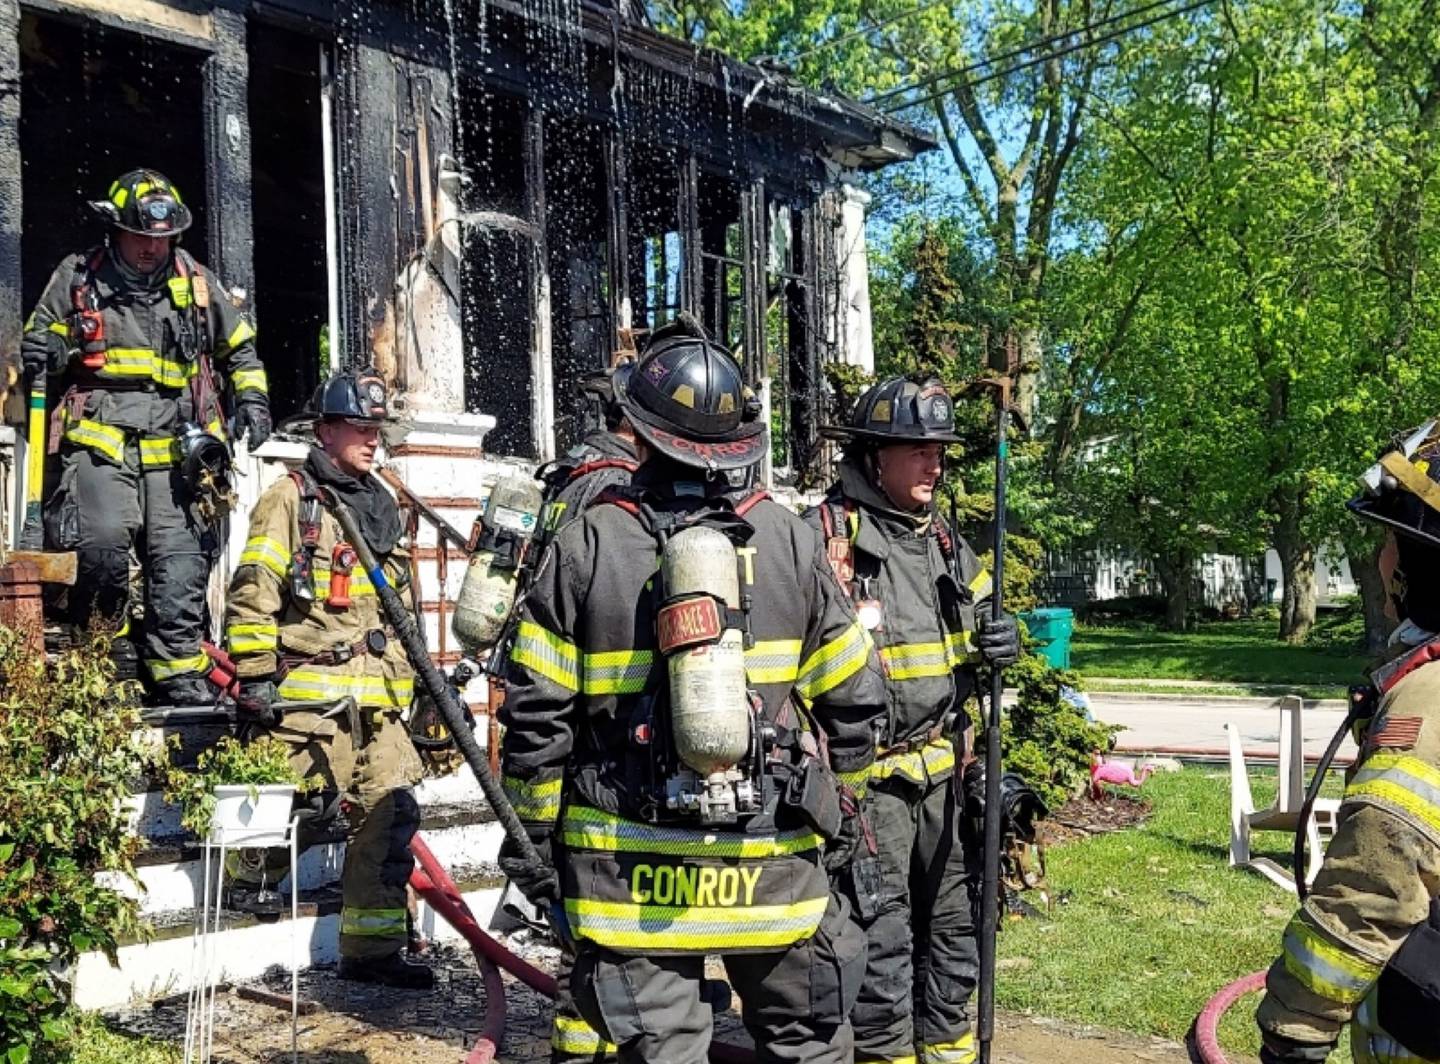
{"x":594,"y":829}
{"x":574,"y":1036}
{"x":142,"y":188}
{"x":267,"y":553}
{"x":251,"y":380}
{"x":242,"y":332}
{"x":633,"y":926}
{"x":162,"y":669}
{"x":128,"y":362}
{"x":616,"y":672}
{"x":172,"y":374}
{"x":960,"y":1051}
{"x":103,"y":438}
{"x":534,"y":799}
{"x":158,"y":452}
{"x":913,"y":661}
{"x":59,"y":327}
{"x":1401,"y":781}
{"x":549,"y":655}
{"x":856,"y":780}
{"x":908,"y":1058}
{"x":376,"y":923}
{"x":1323,"y":967}
{"x":961,"y":647}
{"x":773,"y":661}
{"x":360,"y":585}
{"x":834,"y":663}
{"x":252,"y":638}
{"x":916,"y":765}
{"x":179,"y":291}
{"x":305,"y":685}
{"x":120,"y":196}
{"x":982,"y":585}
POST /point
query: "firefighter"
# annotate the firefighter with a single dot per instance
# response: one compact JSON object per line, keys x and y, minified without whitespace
{"x":921,"y":594}
{"x":303,"y":624}
{"x":605,"y":458}
{"x":1365,"y":945}
{"x":690,"y":783}
{"x":153,"y":354}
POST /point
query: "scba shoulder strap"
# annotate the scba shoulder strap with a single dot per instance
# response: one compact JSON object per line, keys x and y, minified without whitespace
{"x":302,"y":562}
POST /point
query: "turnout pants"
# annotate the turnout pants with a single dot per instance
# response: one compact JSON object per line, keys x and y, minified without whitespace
{"x":922,"y":955}
{"x":374,"y":776}
{"x":572,"y":1040}
{"x":794,"y":1002}
{"x":100,"y":510}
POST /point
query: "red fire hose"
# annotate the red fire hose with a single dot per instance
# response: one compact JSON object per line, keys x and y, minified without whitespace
{"x":434,"y":884}
{"x":1207,"y":1040}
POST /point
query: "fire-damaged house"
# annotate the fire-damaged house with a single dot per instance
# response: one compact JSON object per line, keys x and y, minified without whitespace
{"x":483,"y":198}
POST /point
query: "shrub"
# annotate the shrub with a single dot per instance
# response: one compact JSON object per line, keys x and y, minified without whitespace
{"x":68,"y":758}
{"x":1046,"y":736}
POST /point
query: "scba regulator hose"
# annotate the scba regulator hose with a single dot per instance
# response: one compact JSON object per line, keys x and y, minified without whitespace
{"x":1207,"y":1024}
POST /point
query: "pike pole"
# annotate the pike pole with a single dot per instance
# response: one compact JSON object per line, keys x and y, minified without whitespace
{"x":990,"y":881}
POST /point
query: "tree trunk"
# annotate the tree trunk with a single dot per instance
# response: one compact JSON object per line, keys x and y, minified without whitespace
{"x":1175,"y":573}
{"x":1374,"y":596}
{"x":1297,"y":601}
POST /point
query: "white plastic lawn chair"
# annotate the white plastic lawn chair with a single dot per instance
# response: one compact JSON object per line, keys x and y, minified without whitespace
{"x":1284,"y":815}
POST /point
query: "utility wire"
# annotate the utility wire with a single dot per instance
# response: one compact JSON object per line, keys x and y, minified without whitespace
{"x":1078,"y":46}
{"x":1029,"y":46}
{"x":866,"y":31}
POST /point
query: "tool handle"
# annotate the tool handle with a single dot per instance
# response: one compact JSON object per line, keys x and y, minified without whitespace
{"x":990,"y":882}
{"x":448,"y":702}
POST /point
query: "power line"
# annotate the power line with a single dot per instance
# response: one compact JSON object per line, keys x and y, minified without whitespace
{"x":1078,"y":46}
{"x":866,"y":31}
{"x":1030,"y":46}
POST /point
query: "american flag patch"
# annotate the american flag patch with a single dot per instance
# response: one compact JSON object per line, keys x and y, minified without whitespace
{"x":1396,"y":733}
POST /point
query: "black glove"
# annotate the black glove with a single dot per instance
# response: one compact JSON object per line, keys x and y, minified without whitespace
{"x":1277,"y":1049}
{"x":252,"y":418}
{"x":255,"y":704}
{"x":999,"y":640}
{"x":541,"y":886}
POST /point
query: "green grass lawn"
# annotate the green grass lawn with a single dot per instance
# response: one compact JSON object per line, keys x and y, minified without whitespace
{"x":1156,"y":922}
{"x":1243,"y":652}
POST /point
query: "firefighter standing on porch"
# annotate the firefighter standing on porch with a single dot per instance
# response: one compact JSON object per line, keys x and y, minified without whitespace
{"x":1364,"y":947}
{"x":921,"y":593}
{"x":666,"y":732}
{"x":150,"y":351}
{"x":304,"y":623}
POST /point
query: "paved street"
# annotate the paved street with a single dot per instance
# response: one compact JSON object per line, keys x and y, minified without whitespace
{"x":1194,"y":724}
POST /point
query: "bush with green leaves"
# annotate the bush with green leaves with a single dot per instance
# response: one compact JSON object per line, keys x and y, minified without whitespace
{"x":229,"y":762}
{"x":1045,"y":736}
{"x":68,"y":759}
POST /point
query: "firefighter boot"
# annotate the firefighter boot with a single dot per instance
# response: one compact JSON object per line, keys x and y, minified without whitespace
{"x":390,"y":970}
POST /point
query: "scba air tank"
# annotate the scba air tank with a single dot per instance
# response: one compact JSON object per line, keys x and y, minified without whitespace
{"x":511,"y":517}
{"x":709,"y":701}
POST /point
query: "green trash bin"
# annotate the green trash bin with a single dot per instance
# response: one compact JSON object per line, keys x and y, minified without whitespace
{"x":1051,"y":628}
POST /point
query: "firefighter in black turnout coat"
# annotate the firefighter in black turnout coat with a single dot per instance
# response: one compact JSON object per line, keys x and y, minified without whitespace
{"x":685,"y":738}
{"x":923,"y":596}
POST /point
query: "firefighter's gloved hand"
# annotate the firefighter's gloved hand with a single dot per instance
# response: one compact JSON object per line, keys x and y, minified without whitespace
{"x":255,"y":704}
{"x":252,"y":418}
{"x":1277,"y":1049}
{"x":999,"y":641}
{"x":540,"y":885}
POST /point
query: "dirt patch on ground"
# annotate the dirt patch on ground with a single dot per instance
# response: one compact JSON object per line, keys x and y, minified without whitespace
{"x":368,"y":1025}
{"x":1083,"y":817}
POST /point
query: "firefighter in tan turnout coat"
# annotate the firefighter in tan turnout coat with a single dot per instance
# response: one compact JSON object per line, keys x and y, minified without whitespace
{"x":1364,"y":948}
{"x":304,"y":624}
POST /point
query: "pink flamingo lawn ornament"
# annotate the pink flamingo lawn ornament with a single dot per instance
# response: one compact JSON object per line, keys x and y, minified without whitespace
{"x":1102,"y":771}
